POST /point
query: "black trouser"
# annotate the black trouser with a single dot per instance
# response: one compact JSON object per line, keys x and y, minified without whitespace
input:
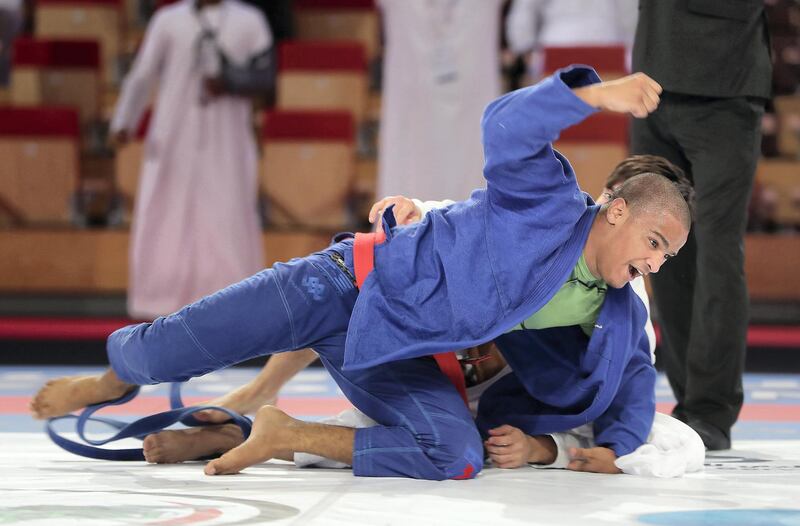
{"x":9,"y":25}
{"x":701,"y":295}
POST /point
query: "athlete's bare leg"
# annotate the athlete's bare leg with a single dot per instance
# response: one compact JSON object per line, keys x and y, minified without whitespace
{"x":275,"y":433}
{"x":263,"y":389}
{"x":173,"y":446}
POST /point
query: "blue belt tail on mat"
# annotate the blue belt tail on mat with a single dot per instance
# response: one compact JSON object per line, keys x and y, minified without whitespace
{"x":136,"y":429}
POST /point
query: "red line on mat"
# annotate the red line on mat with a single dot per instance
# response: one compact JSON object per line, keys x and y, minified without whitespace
{"x":145,"y":405}
{"x":755,"y":412}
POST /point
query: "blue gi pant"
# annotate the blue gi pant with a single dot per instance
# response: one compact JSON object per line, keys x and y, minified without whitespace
{"x":425,"y":429}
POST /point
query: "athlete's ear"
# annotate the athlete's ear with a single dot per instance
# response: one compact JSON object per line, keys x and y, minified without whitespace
{"x":617,"y":211}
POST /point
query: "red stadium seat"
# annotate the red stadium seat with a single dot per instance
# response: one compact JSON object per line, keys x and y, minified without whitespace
{"x":322,"y":76}
{"x":101,"y":20}
{"x":308,"y":167}
{"x":609,"y":61}
{"x":594,"y":147}
{"x":57,"y":72}
{"x":39,"y":158}
{"x":335,"y":20}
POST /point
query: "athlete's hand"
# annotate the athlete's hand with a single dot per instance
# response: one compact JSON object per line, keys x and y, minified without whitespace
{"x":635,"y":94}
{"x":508,"y":447}
{"x":593,"y":459}
{"x":405,"y":211}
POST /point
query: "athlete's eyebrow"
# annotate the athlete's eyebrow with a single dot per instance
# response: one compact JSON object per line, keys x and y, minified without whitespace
{"x":664,"y":241}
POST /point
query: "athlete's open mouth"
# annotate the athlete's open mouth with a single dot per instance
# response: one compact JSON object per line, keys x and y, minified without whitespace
{"x":634,"y":272}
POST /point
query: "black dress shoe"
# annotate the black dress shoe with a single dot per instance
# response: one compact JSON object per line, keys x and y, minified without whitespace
{"x":713,"y":437}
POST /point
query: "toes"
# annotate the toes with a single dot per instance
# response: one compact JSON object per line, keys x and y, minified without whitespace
{"x":150,"y":449}
{"x":38,"y":409}
{"x":231,"y":462}
{"x":150,"y":442}
{"x":202,"y":416}
{"x":212,"y":417}
{"x":216,"y":467}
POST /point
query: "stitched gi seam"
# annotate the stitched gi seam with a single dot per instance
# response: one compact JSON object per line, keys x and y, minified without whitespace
{"x":122,"y":354}
{"x":197,"y":342}
{"x":434,"y":430}
{"x":503,"y":301}
{"x":408,"y":423}
{"x":370,"y":450}
{"x":287,"y":310}
{"x":405,"y":421}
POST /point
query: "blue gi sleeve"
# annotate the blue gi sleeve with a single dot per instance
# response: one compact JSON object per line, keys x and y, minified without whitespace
{"x":518,"y":130}
{"x":626,"y":423}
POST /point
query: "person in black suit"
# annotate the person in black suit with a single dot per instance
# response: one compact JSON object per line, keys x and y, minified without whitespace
{"x":713,"y":60}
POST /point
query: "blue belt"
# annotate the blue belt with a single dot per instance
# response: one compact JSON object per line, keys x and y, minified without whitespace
{"x":136,"y":429}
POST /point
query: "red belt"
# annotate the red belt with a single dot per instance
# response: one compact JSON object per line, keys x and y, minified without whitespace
{"x":364,"y":262}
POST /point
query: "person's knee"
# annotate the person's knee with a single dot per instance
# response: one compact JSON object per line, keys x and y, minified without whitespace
{"x":457,"y":453}
{"x":143,"y":364}
{"x":454,"y":452}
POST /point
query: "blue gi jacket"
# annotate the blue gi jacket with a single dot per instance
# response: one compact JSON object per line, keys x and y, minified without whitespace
{"x":563,"y":379}
{"x":468,"y":273}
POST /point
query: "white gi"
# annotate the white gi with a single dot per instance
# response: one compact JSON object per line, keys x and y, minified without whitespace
{"x":195,"y":225}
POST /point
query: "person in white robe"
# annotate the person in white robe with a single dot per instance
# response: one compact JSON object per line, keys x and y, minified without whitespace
{"x":441,"y":68}
{"x":195,"y":226}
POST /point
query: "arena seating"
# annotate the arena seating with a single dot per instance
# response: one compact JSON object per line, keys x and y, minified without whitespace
{"x":787,"y":108}
{"x":39,"y":155}
{"x":322,"y":76}
{"x":57,"y":72}
{"x":608,"y":61}
{"x":336,"y":20}
{"x":308,"y":167}
{"x":783,"y":178}
{"x":102,"y":20}
{"x":594,"y":147}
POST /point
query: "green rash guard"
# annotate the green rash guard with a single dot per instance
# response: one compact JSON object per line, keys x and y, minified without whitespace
{"x":578,"y":302}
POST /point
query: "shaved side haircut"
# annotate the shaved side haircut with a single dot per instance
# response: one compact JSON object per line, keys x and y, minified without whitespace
{"x":651,"y":193}
{"x":653,"y":164}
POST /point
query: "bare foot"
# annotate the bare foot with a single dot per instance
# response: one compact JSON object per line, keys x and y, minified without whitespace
{"x":245,"y":400}
{"x":269,"y":432}
{"x":171,"y":447}
{"x":70,"y":393}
